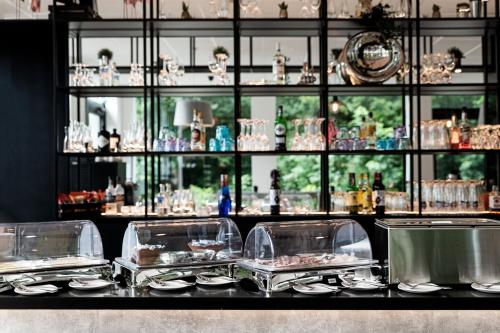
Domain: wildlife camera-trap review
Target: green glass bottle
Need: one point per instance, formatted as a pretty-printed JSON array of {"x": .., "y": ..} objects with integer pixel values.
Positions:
[
  {"x": 280, "y": 130},
  {"x": 352, "y": 195}
]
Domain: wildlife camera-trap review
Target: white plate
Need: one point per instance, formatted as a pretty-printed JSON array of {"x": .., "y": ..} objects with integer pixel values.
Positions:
[
  {"x": 494, "y": 289},
  {"x": 215, "y": 281},
  {"x": 90, "y": 284},
  {"x": 362, "y": 286},
  {"x": 316, "y": 289},
  {"x": 37, "y": 290},
  {"x": 170, "y": 285},
  {"x": 420, "y": 289}
]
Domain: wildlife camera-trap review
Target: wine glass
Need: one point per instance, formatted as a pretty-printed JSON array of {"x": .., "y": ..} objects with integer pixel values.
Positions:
[
  {"x": 244, "y": 7},
  {"x": 297, "y": 138},
  {"x": 304, "y": 10},
  {"x": 320, "y": 138}
]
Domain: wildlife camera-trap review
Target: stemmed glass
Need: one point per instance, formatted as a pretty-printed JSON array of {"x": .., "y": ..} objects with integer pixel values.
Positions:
[
  {"x": 242, "y": 136},
  {"x": 315, "y": 4},
  {"x": 320, "y": 138},
  {"x": 244, "y": 7},
  {"x": 304, "y": 10},
  {"x": 297, "y": 138}
]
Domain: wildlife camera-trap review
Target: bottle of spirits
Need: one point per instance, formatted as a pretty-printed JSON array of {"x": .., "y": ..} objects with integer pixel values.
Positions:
[
  {"x": 371, "y": 131},
  {"x": 160, "y": 201},
  {"x": 465, "y": 131},
  {"x": 224, "y": 196},
  {"x": 494, "y": 199},
  {"x": 378, "y": 194},
  {"x": 352, "y": 195},
  {"x": 197, "y": 132},
  {"x": 363, "y": 129},
  {"x": 103, "y": 141},
  {"x": 116, "y": 74},
  {"x": 332, "y": 198},
  {"x": 365, "y": 195},
  {"x": 114, "y": 141},
  {"x": 119, "y": 195},
  {"x": 109, "y": 194},
  {"x": 454, "y": 133},
  {"x": 279, "y": 61},
  {"x": 280, "y": 130},
  {"x": 275, "y": 193}
]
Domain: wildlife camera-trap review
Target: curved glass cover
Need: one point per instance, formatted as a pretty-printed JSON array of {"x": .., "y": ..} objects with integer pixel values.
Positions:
[
  {"x": 181, "y": 242},
  {"x": 46, "y": 245},
  {"x": 307, "y": 244}
]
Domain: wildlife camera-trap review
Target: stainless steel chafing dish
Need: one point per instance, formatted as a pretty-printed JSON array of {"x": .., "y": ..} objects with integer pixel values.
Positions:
[{"x": 447, "y": 251}]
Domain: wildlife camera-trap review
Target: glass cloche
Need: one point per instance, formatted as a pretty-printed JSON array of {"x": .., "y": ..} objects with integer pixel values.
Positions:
[
  {"x": 180, "y": 243},
  {"x": 282, "y": 246},
  {"x": 26, "y": 247}
]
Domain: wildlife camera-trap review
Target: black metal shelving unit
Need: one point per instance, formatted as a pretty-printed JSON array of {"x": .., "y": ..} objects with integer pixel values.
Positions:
[{"x": 416, "y": 31}]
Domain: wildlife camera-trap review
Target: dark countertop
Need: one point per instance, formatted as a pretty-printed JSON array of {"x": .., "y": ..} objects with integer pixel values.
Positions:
[{"x": 237, "y": 298}]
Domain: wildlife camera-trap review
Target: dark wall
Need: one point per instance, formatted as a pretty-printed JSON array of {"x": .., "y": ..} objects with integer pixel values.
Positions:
[{"x": 27, "y": 157}]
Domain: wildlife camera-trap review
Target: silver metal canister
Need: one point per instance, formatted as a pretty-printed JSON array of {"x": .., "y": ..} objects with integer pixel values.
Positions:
[{"x": 475, "y": 8}]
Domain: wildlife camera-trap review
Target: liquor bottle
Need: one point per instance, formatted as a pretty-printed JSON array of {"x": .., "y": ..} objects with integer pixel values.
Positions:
[
  {"x": 114, "y": 141},
  {"x": 363, "y": 129},
  {"x": 196, "y": 132},
  {"x": 332, "y": 198},
  {"x": 365, "y": 195},
  {"x": 280, "y": 130},
  {"x": 352, "y": 195},
  {"x": 119, "y": 195},
  {"x": 465, "y": 131},
  {"x": 275, "y": 193},
  {"x": 371, "y": 131},
  {"x": 116, "y": 74},
  {"x": 378, "y": 194},
  {"x": 224, "y": 196},
  {"x": 279, "y": 61},
  {"x": 103, "y": 141},
  {"x": 494, "y": 199},
  {"x": 160, "y": 201},
  {"x": 109, "y": 194},
  {"x": 454, "y": 133},
  {"x": 256, "y": 203}
]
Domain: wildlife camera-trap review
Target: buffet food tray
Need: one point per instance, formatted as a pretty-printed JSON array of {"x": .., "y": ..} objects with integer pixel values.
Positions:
[
  {"x": 25, "y": 266},
  {"x": 139, "y": 276},
  {"x": 254, "y": 266}
]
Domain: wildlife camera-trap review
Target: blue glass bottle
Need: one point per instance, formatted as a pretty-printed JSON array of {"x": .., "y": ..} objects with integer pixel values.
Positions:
[{"x": 224, "y": 197}]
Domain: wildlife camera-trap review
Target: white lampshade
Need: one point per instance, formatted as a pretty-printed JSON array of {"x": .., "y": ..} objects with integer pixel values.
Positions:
[{"x": 184, "y": 113}]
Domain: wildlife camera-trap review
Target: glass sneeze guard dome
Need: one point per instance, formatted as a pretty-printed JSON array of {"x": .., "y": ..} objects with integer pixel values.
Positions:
[
  {"x": 180, "y": 243},
  {"x": 35, "y": 246},
  {"x": 281, "y": 246}
]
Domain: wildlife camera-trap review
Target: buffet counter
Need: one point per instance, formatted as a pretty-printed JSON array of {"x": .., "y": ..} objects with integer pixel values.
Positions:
[{"x": 238, "y": 298}]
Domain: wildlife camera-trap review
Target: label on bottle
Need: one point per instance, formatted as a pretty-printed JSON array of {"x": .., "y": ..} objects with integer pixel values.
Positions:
[
  {"x": 113, "y": 143},
  {"x": 494, "y": 202},
  {"x": 279, "y": 130},
  {"x": 352, "y": 199},
  {"x": 378, "y": 198},
  {"x": 274, "y": 197},
  {"x": 455, "y": 137},
  {"x": 279, "y": 69},
  {"x": 102, "y": 141}
]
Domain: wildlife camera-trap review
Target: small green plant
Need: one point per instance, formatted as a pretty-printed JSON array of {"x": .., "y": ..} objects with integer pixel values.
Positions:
[
  {"x": 283, "y": 6},
  {"x": 185, "y": 11},
  {"x": 220, "y": 50},
  {"x": 435, "y": 8},
  {"x": 456, "y": 52},
  {"x": 105, "y": 53},
  {"x": 379, "y": 18}
]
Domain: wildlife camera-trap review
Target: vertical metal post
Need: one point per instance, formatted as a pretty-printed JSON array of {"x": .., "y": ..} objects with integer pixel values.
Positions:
[
  {"x": 323, "y": 82},
  {"x": 419, "y": 111},
  {"x": 237, "y": 104}
]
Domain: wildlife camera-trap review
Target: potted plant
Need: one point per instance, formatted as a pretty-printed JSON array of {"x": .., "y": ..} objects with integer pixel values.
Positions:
[
  {"x": 457, "y": 55},
  {"x": 105, "y": 53},
  {"x": 436, "y": 11},
  {"x": 220, "y": 53},
  {"x": 283, "y": 10},
  {"x": 185, "y": 12}
]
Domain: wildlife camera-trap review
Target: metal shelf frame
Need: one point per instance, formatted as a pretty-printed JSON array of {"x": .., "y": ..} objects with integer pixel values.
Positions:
[{"x": 150, "y": 28}]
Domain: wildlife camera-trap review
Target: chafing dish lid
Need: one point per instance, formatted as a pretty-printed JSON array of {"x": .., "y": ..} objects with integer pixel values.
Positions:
[{"x": 437, "y": 222}]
